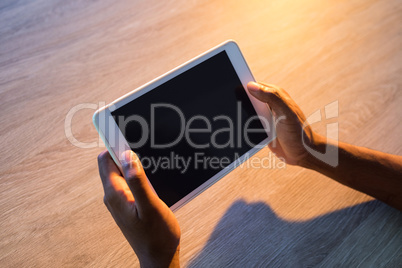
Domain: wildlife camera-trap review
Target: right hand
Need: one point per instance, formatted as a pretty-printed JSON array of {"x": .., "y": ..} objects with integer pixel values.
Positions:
[{"x": 289, "y": 120}]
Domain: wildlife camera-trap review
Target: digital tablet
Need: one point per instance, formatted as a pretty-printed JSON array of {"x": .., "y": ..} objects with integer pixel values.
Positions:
[{"x": 190, "y": 126}]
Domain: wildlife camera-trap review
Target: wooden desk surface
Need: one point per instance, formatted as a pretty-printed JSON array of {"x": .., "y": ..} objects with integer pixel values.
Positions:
[{"x": 55, "y": 55}]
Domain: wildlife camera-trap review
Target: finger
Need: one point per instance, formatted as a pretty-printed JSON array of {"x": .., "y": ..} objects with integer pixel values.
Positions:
[
  {"x": 107, "y": 169},
  {"x": 277, "y": 98},
  {"x": 275, "y": 86},
  {"x": 137, "y": 180},
  {"x": 114, "y": 184}
]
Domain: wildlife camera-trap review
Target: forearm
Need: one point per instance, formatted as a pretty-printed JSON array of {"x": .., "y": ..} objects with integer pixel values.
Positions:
[
  {"x": 156, "y": 261},
  {"x": 374, "y": 173}
]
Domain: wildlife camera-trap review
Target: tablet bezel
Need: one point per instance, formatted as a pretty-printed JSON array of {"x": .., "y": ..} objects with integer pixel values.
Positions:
[{"x": 116, "y": 143}]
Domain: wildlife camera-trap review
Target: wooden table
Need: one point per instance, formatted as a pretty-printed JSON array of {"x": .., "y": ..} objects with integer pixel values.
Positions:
[{"x": 64, "y": 58}]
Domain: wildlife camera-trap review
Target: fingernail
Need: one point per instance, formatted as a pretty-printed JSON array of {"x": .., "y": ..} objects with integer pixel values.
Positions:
[{"x": 253, "y": 86}]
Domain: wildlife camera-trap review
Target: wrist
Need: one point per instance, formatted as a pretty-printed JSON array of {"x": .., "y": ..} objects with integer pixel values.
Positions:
[
  {"x": 319, "y": 147},
  {"x": 161, "y": 260}
]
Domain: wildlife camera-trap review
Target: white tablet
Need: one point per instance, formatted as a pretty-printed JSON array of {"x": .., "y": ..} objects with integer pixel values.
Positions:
[{"x": 190, "y": 126}]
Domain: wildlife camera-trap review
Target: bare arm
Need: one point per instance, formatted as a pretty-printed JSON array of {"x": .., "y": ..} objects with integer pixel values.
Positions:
[{"x": 374, "y": 173}]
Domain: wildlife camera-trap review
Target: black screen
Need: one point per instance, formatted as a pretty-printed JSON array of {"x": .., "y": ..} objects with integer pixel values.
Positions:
[{"x": 199, "y": 117}]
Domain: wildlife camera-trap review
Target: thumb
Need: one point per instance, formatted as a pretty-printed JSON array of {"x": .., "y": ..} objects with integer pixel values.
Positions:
[
  {"x": 277, "y": 98},
  {"x": 136, "y": 179}
]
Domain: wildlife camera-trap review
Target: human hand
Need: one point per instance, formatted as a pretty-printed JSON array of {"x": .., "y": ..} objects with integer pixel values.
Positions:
[
  {"x": 145, "y": 220},
  {"x": 289, "y": 120}
]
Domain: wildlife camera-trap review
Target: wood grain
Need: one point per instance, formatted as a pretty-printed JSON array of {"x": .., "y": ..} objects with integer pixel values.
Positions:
[{"x": 55, "y": 55}]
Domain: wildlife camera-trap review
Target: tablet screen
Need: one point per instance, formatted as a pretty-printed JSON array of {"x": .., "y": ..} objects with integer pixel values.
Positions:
[{"x": 191, "y": 127}]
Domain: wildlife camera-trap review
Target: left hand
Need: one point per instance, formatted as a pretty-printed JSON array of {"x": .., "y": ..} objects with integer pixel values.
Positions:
[{"x": 145, "y": 220}]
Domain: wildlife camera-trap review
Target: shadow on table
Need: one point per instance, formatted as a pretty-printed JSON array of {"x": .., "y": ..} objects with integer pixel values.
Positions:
[{"x": 251, "y": 235}]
